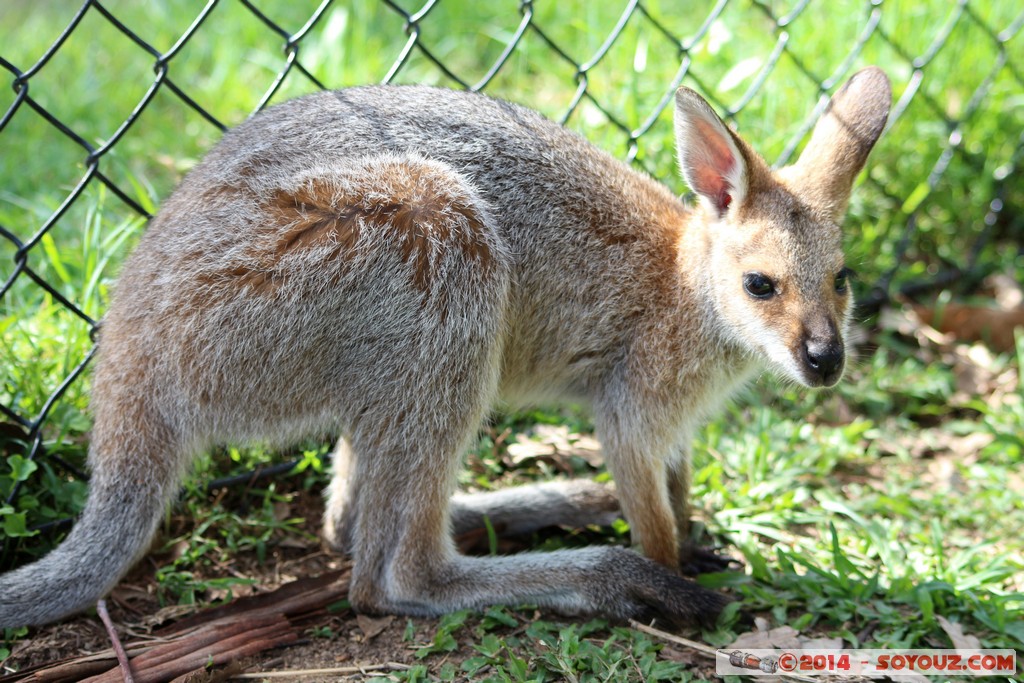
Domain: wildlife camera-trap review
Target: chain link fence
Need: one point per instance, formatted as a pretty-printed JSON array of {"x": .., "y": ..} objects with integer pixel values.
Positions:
[{"x": 105, "y": 114}]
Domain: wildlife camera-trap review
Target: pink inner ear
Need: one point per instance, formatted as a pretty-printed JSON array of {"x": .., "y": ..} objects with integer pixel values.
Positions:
[
  {"x": 712, "y": 184},
  {"x": 713, "y": 167},
  {"x": 719, "y": 152}
]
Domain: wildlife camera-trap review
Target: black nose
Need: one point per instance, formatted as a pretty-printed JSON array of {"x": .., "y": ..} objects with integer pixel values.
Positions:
[{"x": 824, "y": 361}]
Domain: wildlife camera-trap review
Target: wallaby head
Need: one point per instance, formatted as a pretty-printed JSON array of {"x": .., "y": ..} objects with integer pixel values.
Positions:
[{"x": 771, "y": 259}]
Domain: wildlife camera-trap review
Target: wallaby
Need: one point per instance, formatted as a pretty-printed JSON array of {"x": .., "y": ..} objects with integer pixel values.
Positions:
[{"x": 384, "y": 263}]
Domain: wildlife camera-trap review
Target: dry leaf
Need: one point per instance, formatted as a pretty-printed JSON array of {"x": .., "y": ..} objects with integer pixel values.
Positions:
[
  {"x": 980, "y": 375},
  {"x": 165, "y": 614},
  {"x": 1005, "y": 290},
  {"x": 967, "y": 447},
  {"x": 125, "y": 592},
  {"x": 282, "y": 510},
  {"x": 524, "y": 449},
  {"x": 955, "y": 631},
  {"x": 906, "y": 322},
  {"x": 688, "y": 657},
  {"x": 555, "y": 442},
  {"x": 371, "y": 627},
  {"x": 238, "y": 590},
  {"x": 965, "y": 323},
  {"x": 764, "y": 638},
  {"x": 821, "y": 643}
]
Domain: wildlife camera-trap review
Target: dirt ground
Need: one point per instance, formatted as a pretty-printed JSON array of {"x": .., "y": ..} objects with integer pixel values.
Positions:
[
  {"x": 339, "y": 640},
  {"x": 331, "y": 641}
]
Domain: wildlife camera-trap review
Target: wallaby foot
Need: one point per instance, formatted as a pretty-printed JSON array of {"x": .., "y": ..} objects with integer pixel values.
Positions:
[{"x": 612, "y": 582}]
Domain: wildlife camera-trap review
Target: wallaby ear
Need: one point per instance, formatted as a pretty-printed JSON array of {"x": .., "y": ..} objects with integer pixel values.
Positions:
[
  {"x": 841, "y": 142},
  {"x": 709, "y": 158}
]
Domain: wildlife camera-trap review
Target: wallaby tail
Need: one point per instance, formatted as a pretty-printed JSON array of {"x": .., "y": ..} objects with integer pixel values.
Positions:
[
  {"x": 524, "y": 509},
  {"x": 133, "y": 477}
]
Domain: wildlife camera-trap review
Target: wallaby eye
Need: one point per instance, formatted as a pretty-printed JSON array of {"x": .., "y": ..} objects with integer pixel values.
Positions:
[
  {"x": 843, "y": 280},
  {"x": 758, "y": 286}
]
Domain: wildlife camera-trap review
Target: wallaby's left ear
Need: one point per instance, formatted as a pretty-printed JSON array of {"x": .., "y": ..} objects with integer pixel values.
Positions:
[
  {"x": 841, "y": 142},
  {"x": 709, "y": 158}
]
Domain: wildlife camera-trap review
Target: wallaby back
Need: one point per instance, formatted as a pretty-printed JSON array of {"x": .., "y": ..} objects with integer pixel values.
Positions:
[{"x": 384, "y": 264}]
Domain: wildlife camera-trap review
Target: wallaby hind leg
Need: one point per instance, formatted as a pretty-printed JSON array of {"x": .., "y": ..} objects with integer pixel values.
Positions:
[{"x": 405, "y": 561}]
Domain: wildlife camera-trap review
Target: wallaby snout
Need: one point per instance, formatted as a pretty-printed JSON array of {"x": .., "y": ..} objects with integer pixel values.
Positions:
[{"x": 823, "y": 360}]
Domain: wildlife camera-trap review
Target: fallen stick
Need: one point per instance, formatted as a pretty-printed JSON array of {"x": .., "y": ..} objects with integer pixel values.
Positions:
[{"x": 122, "y": 658}]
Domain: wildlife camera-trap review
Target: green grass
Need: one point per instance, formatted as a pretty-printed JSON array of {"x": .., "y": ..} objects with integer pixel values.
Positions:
[
  {"x": 539, "y": 650},
  {"x": 855, "y": 512}
]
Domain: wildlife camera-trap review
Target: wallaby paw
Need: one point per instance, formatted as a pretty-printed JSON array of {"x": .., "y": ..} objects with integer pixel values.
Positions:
[
  {"x": 646, "y": 591},
  {"x": 679, "y": 603},
  {"x": 694, "y": 560}
]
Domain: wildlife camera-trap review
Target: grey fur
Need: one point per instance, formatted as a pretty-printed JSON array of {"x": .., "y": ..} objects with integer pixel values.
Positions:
[{"x": 384, "y": 264}]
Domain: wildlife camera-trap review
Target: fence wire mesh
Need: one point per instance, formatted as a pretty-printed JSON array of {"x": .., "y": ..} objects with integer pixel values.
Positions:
[{"x": 103, "y": 118}]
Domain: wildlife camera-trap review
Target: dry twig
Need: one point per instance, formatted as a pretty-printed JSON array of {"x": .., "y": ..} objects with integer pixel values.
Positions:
[{"x": 122, "y": 658}]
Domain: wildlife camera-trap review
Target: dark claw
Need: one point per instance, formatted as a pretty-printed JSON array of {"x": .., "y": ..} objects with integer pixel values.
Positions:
[
  {"x": 745, "y": 620},
  {"x": 694, "y": 560}
]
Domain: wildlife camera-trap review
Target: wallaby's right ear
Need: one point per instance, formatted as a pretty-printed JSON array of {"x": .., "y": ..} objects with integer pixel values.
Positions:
[{"x": 709, "y": 158}]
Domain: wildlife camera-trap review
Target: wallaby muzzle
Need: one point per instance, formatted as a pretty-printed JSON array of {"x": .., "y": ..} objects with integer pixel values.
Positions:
[
  {"x": 823, "y": 355},
  {"x": 823, "y": 360}
]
